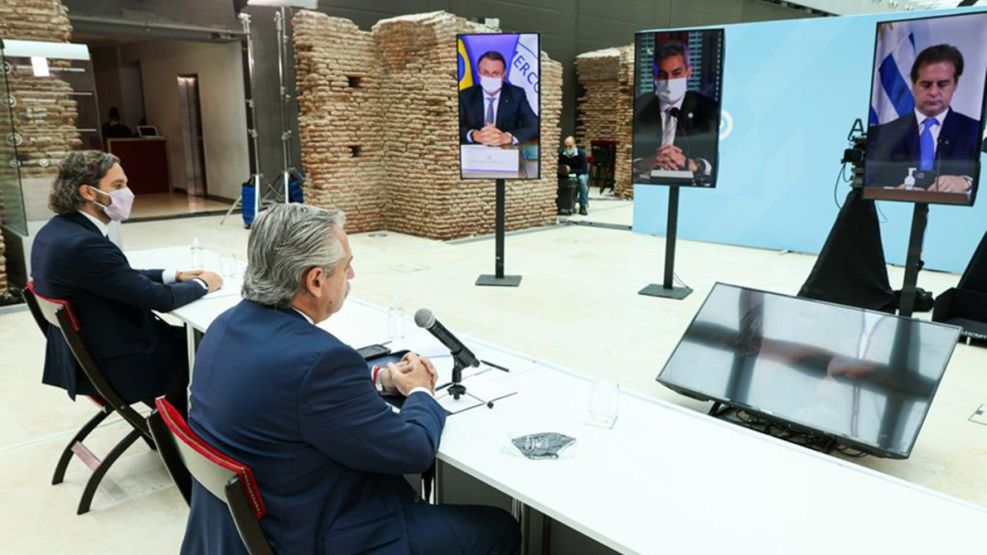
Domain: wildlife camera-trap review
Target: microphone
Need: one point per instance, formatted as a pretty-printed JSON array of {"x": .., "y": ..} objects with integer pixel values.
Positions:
[
  {"x": 461, "y": 355},
  {"x": 937, "y": 172}
]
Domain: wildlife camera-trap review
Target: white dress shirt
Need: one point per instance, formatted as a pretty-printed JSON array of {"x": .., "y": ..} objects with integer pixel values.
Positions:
[
  {"x": 167, "y": 276},
  {"x": 424, "y": 390}
]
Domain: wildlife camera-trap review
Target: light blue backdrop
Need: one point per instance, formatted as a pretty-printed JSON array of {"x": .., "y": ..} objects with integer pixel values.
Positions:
[{"x": 793, "y": 89}]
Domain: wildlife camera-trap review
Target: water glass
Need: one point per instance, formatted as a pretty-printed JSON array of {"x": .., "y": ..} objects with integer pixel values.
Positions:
[
  {"x": 604, "y": 403},
  {"x": 229, "y": 267}
]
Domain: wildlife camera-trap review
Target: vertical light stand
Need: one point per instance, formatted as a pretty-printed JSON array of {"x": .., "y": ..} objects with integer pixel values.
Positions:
[{"x": 280, "y": 20}]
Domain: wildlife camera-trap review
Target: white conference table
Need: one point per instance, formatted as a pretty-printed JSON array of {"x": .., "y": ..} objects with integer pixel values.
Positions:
[{"x": 665, "y": 479}]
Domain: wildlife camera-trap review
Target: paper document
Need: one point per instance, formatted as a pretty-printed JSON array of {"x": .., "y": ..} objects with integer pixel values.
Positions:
[
  {"x": 480, "y": 158},
  {"x": 229, "y": 288},
  {"x": 672, "y": 174},
  {"x": 481, "y": 388}
]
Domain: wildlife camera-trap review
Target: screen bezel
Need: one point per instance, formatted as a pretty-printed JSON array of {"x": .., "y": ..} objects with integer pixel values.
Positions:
[
  {"x": 878, "y": 193},
  {"x": 462, "y": 177},
  {"x": 637, "y": 73},
  {"x": 765, "y": 412}
]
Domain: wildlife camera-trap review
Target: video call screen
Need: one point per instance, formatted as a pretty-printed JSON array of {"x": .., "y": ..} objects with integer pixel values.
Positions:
[
  {"x": 499, "y": 105},
  {"x": 926, "y": 116},
  {"x": 678, "y": 91}
]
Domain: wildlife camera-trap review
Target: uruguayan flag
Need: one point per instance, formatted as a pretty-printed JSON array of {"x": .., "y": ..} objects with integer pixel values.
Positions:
[
  {"x": 525, "y": 68},
  {"x": 892, "y": 82}
]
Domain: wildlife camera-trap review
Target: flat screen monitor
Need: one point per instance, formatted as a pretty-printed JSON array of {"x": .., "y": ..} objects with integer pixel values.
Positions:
[
  {"x": 926, "y": 118},
  {"x": 678, "y": 92},
  {"x": 499, "y": 105},
  {"x": 147, "y": 131},
  {"x": 863, "y": 378}
]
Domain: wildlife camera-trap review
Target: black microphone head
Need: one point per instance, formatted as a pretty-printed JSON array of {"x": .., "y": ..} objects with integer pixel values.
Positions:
[
  {"x": 424, "y": 318},
  {"x": 674, "y": 112}
]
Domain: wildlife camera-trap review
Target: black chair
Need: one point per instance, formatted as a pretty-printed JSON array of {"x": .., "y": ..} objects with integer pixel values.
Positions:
[
  {"x": 56, "y": 312},
  {"x": 188, "y": 457}
]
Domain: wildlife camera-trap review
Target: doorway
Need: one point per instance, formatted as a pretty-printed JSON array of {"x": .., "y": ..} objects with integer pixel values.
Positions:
[{"x": 192, "y": 139}]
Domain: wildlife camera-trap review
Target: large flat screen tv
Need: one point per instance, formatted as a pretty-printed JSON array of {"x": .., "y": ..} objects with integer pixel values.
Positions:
[
  {"x": 678, "y": 91},
  {"x": 926, "y": 122},
  {"x": 862, "y": 378},
  {"x": 499, "y": 78}
]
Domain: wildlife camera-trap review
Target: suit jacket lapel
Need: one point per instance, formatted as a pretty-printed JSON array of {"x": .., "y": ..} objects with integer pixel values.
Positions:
[
  {"x": 946, "y": 134},
  {"x": 911, "y": 138},
  {"x": 503, "y": 106}
]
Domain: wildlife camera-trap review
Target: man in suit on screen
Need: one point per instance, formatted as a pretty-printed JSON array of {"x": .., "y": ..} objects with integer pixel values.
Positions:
[
  {"x": 933, "y": 140},
  {"x": 675, "y": 129},
  {"x": 495, "y": 113}
]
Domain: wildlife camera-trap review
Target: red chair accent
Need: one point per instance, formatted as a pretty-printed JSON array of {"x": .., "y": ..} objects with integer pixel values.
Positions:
[
  {"x": 58, "y": 313},
  {"x": 188, "y": 457}
]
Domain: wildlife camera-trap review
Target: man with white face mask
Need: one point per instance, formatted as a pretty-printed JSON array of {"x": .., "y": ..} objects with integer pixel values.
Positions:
[
  {"x": 675, "y": 129},
  {"x": 72, "y": 259},
  {"x": 495, "y": 113}
]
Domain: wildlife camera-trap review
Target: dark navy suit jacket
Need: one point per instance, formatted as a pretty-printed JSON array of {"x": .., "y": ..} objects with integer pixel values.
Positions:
[
  {"x": 696, "y": 133},
  {"x": 140, "y": 355},
  {"x": 297, "y": 406},
  {"x": 893, "y": 147},
  {"x": 514, "y": 115}
]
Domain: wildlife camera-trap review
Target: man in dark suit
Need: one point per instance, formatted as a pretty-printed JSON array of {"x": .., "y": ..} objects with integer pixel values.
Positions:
[
  {"x": 495, "y": 113},
  {"x": 933, "y": 139},
  {"x": 302, "y": 410},
  {"x": 72, "y": 259},
  {"x": 675, "y": 129}
]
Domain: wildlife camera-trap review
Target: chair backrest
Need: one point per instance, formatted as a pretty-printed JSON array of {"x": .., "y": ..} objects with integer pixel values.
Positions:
[
  {"x": 59, "y": 313},
  {"x": 32, "y": 304},
  {"x": 229, "y": 480}
]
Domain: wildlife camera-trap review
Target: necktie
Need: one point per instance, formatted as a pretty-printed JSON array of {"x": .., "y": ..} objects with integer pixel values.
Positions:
[
  {"x": 927, "y": 146},
  {"x": 489, "y": 118}
]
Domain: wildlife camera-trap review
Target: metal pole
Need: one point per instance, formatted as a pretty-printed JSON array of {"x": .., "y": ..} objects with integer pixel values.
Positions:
[
  {"x": 254, "y": 143},
  {"x": 280, "y": 19},
  {"x": 501, "y": 216},
  {"x": 913, "y": 263},
  {"x": 670, "y": 236}
]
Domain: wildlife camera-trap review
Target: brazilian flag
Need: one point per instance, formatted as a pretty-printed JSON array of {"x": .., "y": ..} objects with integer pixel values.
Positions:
[{"x": 465, "y": 69}]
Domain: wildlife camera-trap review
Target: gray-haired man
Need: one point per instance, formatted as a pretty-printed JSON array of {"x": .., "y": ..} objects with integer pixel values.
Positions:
[{"x": 301, "y": 409}]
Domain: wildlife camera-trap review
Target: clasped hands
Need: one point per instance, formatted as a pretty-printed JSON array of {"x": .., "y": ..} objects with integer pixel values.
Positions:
[
  {"x": 413, "y": 371},
  {"x": 489, "y": 135},
  {"x": 671, "y": 157}
]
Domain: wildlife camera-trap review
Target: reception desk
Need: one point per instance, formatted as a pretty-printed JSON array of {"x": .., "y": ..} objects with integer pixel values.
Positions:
[{"x": 146, "y": 162}]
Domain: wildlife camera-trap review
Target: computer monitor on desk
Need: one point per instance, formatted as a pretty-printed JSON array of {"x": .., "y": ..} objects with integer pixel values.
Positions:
[
  {"x": 147, "y": 131},
  {"x": 854, "y": 377}
]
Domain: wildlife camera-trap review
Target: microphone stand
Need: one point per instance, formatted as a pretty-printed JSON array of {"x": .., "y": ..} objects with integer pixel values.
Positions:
[{"x": 457, "y": 389}]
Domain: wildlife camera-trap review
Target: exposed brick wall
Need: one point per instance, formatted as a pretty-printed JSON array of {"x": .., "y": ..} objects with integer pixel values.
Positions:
[
  {"x": 605, "y": 109},
  {"x": 404, "y": 117},
  {"x": 48, "y": 130}
]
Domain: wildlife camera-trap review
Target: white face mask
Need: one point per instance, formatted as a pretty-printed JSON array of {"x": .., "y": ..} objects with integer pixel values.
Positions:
[
  {"x": 491, "y": 85},
  {"x": 121, "y": 201},
  {"x": 570, "y": 152},
  {"x": 670, "y": 91}
]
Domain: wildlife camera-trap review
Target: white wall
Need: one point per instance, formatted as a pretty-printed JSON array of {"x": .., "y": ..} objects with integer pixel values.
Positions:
[{"x": 221, "y": 97}]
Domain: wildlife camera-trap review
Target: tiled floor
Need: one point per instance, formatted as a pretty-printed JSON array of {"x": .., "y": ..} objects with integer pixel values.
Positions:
[
  {"x": 577, "y": 305},
  {"x": 160, "y": 205}
]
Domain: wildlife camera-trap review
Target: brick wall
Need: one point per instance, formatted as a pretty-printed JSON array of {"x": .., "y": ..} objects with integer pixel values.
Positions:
[
  {"x": 605, "y": 109},
  {"x": 403, "y": 118},
  {"x": 48, "y": 135}
]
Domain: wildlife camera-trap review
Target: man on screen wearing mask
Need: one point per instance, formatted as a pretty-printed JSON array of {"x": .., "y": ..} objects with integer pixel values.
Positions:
[
  {"x": 675, "y": 129},
  {"x": 72, "y": 259},
  {"x": 495, "y": 113}
]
